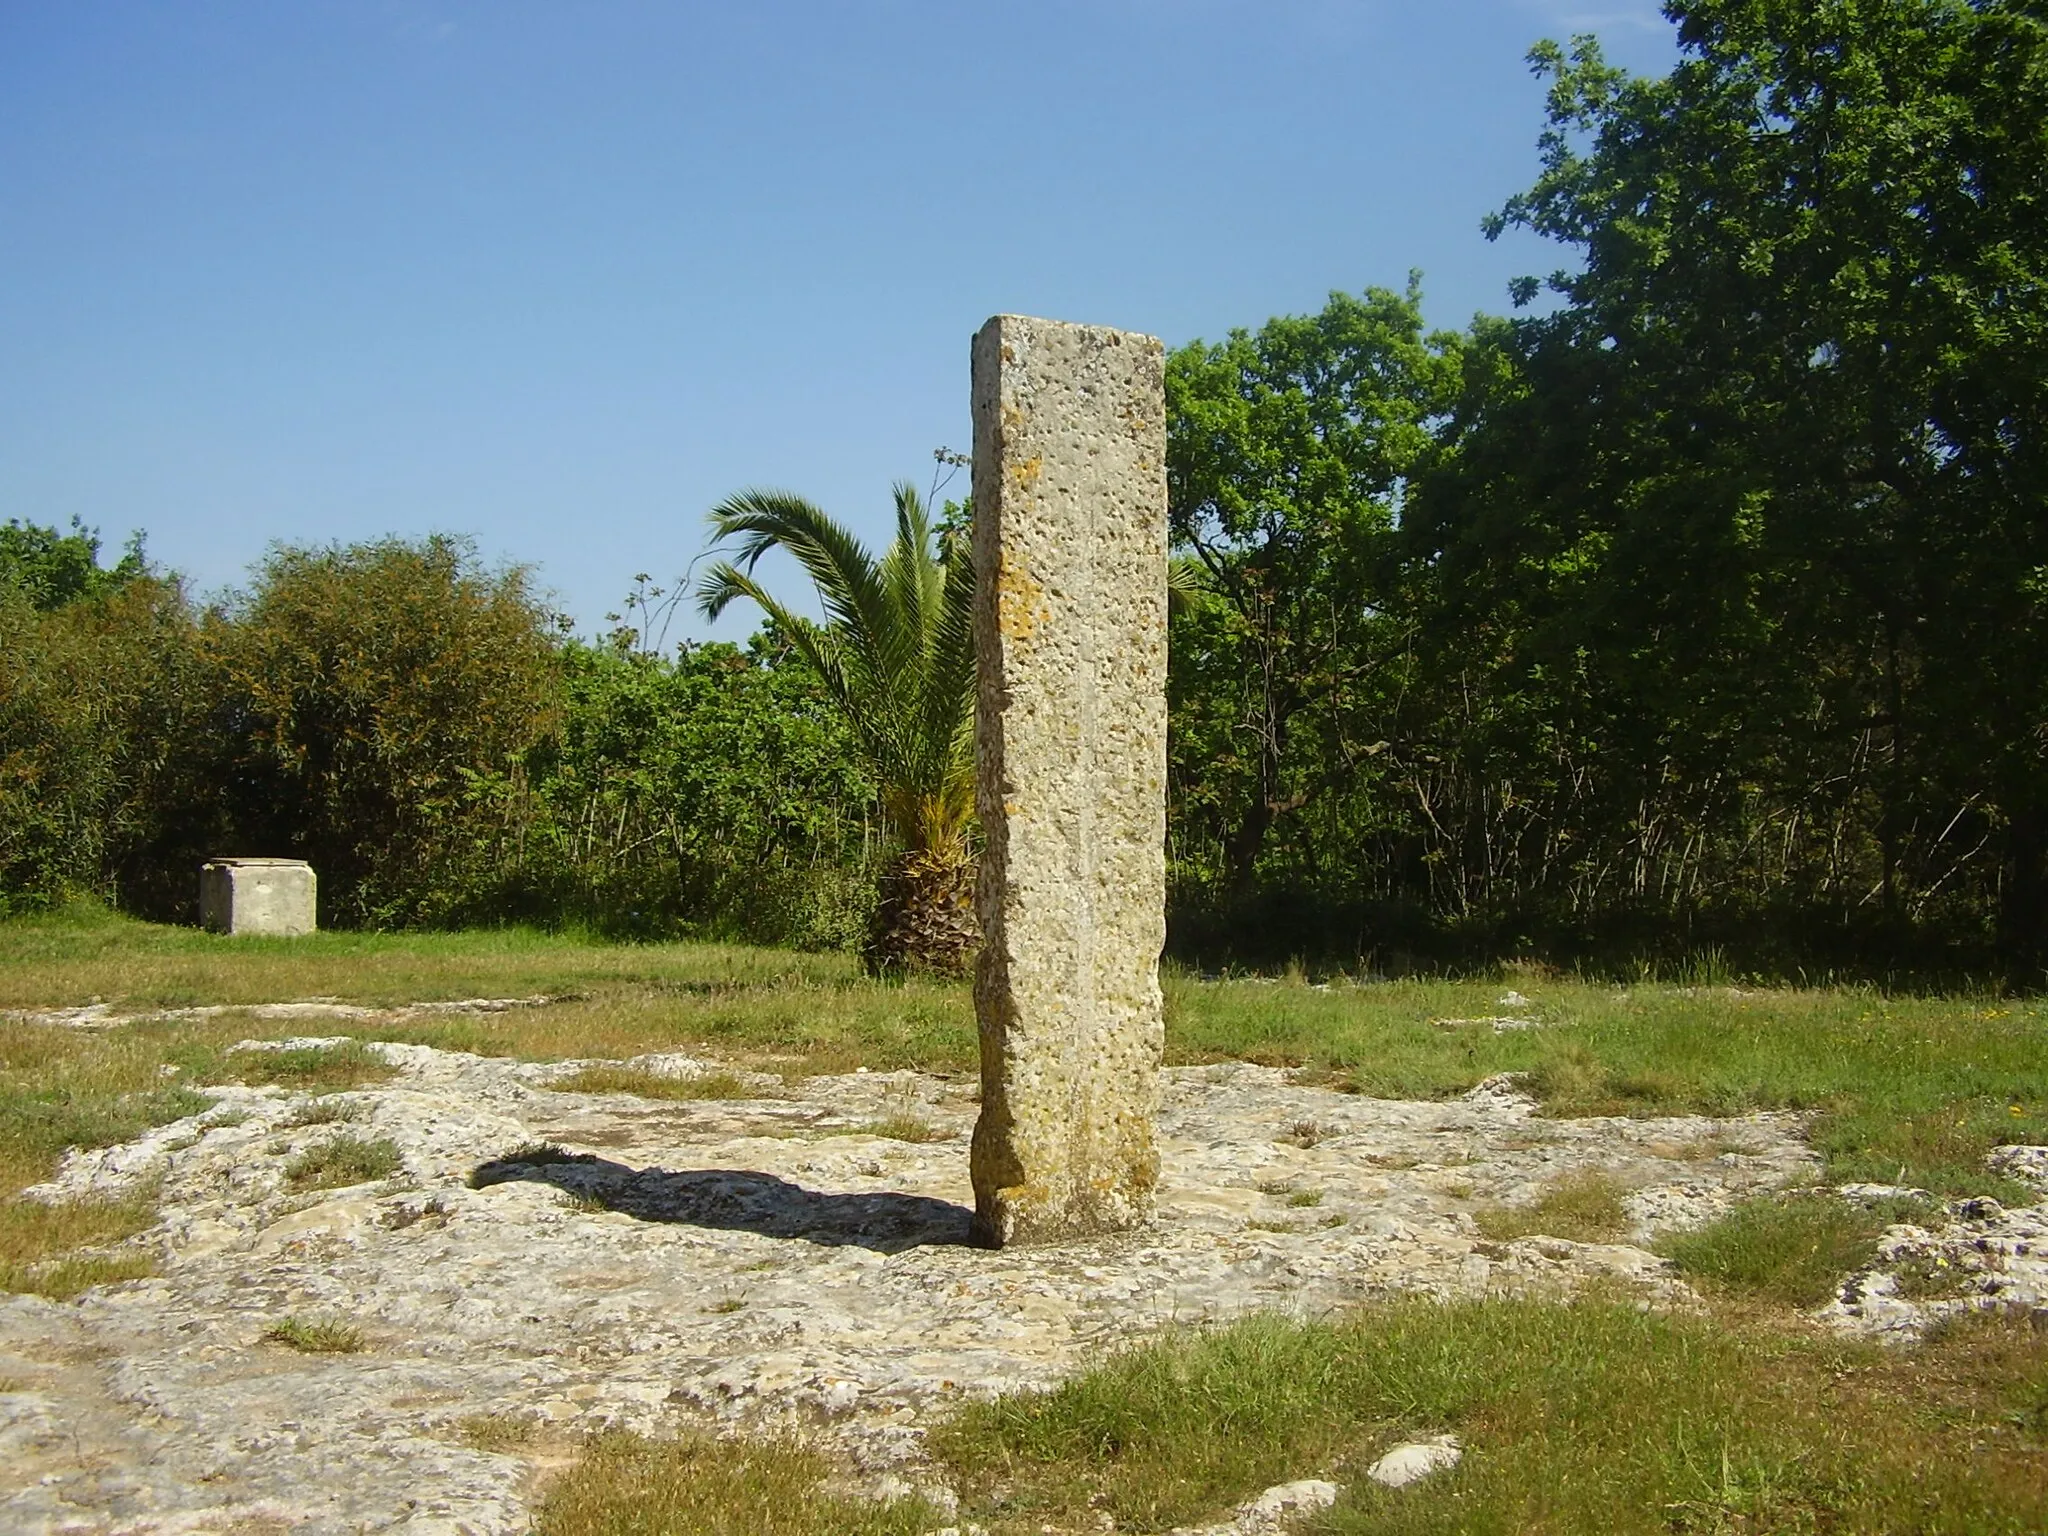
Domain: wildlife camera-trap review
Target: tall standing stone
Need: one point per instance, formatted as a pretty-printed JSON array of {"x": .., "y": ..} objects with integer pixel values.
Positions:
[{"x": 1070, "y": 634}]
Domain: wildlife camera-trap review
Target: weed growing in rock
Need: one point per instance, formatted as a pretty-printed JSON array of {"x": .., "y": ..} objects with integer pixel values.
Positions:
[
  {"x": 900, "y": 1127},
  {"x": 324, "y": 1112},
  {"x": 315, "y": 1336},
  {"x": 628, "y": 1486},
  {"x": 1933, "y": 1277},
  {"x": 654, "y": 1085},
  {"x": 1791, "y": 1248},
  {"x": 320, "y": 1068},
  {"x": 495, "y": 1431},
  {"x": 1580, "y": 1208},
  {"x": 1305, "y": 1199},
  {"x": 341, "y": 1162}
]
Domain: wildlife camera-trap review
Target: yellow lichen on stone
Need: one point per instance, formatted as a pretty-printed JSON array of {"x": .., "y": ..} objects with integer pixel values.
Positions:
[{"x": 1070, "y": 635}]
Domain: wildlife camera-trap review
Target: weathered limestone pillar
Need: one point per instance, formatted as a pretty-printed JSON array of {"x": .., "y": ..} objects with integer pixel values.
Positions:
[
  {"x": 1070, "y": 634},
  {"x": 268, "y": 897}
]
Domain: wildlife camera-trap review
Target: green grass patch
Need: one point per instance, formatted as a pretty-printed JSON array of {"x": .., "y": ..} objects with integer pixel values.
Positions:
[
  {"x": 1581, "y": 1207},
  {"x": 1913, "y": 1090},
  {"x": 653, "y": 1085},
  {"x": 1791, "y": 1249},
  {"x": 1590, "y": 1417},
  {"x": 315, "y": 1068},
  {"x": 316, "y": 1336},
  {"x": 625, "y": 1485},
  {"x": 342, "y": 1161}
]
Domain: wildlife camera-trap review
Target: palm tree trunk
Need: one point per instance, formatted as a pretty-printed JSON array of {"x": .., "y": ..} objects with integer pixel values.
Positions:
[{"x": 926, "y": 919}]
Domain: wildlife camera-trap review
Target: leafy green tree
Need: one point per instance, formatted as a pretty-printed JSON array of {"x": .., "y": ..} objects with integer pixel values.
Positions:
[
  {"x": 53, "y": 568},
  {"x": 98, "y": 696},
  {"x": 895, "y": 656},
  {"x": 1755, "y": 514},
  {"x": 1289, "y": 456},
  {"x": 713, "y": 792},
  {"x": 362, "y": 693}
]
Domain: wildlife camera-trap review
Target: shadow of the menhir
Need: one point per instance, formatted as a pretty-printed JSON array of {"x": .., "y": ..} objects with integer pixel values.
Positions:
[{"x": 737, "y": 1200}]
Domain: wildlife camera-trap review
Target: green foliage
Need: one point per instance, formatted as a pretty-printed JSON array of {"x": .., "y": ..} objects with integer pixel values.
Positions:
[
  {"x": 1288, "y": 460},
  {"x": 92, "y": 695},
  {"x": 896, "y": 658},
  {"x": 362, "y": 694},
  {"x": 1731, "y": 555},
  {"x": 53, "y": 569},
  {"x": 715, "y": 792},
  {"x": 1586, "y": 1417},
  {"x": 1791, "y": 1249}
]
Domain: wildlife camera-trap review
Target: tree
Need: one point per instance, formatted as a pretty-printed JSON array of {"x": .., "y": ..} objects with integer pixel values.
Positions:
[
  {"x": 1288, "y": 459},
  {"x": 1764, "y": 496},
  {"x": 53, "y": 569},
  {"x": 896, "y": 656},
  {"x": 363, "y": 691}
]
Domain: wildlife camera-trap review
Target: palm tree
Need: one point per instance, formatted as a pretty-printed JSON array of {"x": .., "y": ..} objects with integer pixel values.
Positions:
[{"x": 896, "y": 654}]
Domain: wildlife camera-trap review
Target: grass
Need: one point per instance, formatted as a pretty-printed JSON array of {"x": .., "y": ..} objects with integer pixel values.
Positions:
[
  {"x": 1791, "y": 1249},
  {"x": 625, "y": 1485},
  {"x": 316, "y": 1068},
  {"x": 1581, "y": 1208},
  {"x": 1912, "y": 1090},
  {"x": 1589, "y": 1417},
  {"x": 653, "y": 1085},
  {"x": 342, "y": 1161},
  {"x": 901, "y": 1127},
  {"x": 323, "y": 1112},
  {"x": 499, "y": 1432},
  {"x": 316, "y": 1336}
]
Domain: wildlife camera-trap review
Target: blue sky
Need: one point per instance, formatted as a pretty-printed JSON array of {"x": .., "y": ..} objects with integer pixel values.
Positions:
[{"x": 561, "y": 275}]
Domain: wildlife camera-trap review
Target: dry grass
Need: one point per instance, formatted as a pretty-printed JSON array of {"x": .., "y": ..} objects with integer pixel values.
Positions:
[
  {"x": 498, "y": 1432},
  {"x": 1580, "y": 1208},
  {"x": 901, "y": 1127},
  {"x": 653, "y": 1085},
  {"x": 315, "y": 1068},
  {"x": 628, "y": 1486}
]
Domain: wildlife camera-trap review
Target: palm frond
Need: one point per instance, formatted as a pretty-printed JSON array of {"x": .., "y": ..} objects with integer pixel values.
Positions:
[{"x": 896, "y": 652}]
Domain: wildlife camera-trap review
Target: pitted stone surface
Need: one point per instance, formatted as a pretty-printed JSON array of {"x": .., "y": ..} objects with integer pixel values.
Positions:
[
  {"x": 1070, "y": 637},
  {"x": 743, "y": 1264}
]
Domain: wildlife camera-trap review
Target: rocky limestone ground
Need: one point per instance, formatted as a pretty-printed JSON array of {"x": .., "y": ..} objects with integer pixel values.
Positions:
[{"x": 760, "y": 1262}]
